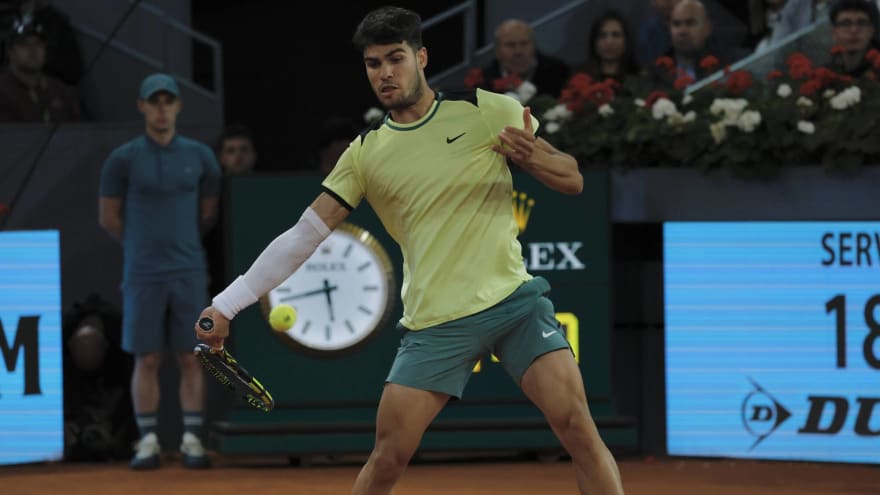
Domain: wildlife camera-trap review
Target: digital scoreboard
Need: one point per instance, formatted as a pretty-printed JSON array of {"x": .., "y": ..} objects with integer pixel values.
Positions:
[
  {"x": 31, "y": 385},
  {"x": 772, "y": 346}
]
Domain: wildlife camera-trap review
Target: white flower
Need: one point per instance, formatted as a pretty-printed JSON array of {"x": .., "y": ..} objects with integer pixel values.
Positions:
[
  {"x": 526, "y": 91},
  {"x": 687, "y": 99},
  {"x": 806, "y": 127},
  {"x": 729, "y": 109},
  {"x": 605, "y": 110},
  {"x": 559, "y": 112},
  {"x": 552, "y": 127},
  {"x": 689, "y": 117},
  {"x": 846, "y": 98},
  {"x": 784, "y": 90},
  {"x": 675, "y": 119},
  {"x": 749, "y": 120},
  {"x": 728, "y": 106},
  {"x": 372, "y": 114},
  {"x": 663, "y": 108},
  {"x": 639, "y": 102},
  {"x": 719, "y": 132},
  {"x": 828, "y": 93},
  {"x": 803, "y": 101}
]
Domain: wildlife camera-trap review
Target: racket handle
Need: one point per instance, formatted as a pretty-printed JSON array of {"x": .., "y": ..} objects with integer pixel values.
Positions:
[{"x": 206, "y": 324}]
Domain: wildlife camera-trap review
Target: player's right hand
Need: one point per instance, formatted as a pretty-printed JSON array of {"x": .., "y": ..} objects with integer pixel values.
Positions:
[{"x": 215, "y": 333}]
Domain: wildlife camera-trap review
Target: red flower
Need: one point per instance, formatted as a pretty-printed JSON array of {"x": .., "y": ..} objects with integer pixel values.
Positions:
[
  {"x": 709, "y": 63},
  {"x": 507, "y": 83},
  {"x": 683, "y": 81},
  {"x": 872, "y": 55},
  {"x": 580, "y": 82},
  {"x": 810, "y": 87},
  {"x": 798, "y": 58},
  {"x": 837, "y": 49},
  {"x": 474, "y": 78},
  {"x": 800, "y": 71},
  {"x": 599, "y": 94},
  {"x": 576, "y": 106},
  {"x": 774, "y": 74},
  {"x": 824, "y": 76},
  {"x": 739, "y": 81},
  {"x": 665, "y": 62},
  {"x": 653, "y": 96}
]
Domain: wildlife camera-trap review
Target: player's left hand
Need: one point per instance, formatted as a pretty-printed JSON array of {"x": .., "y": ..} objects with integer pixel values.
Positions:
[{"x": 518, "y": 144}]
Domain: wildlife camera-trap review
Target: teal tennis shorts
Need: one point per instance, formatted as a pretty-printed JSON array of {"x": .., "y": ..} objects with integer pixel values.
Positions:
[
  {"x": 156, "y": 315},
  {"x": 517, "y": 330}
]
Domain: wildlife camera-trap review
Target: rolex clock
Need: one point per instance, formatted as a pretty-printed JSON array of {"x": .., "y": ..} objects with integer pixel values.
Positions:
[{"x": 342, "y": 294}]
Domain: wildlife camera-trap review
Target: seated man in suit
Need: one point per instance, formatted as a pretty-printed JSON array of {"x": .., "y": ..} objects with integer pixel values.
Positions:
[
  {"x": 690, "y": 30},
  {"x": 516, "y": 54}
]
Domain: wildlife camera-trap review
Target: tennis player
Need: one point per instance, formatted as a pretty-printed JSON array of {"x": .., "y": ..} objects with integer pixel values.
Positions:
[{"x": 435, "y": 171}]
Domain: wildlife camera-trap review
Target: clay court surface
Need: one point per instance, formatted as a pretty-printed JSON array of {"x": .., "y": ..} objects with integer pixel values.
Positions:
[{"x": 479, "y": 477}]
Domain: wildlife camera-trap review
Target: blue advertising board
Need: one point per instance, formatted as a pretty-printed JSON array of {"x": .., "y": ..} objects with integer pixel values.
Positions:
[
  {"x": 31, "y": 382},
  {"x": 773, "y": 340}
]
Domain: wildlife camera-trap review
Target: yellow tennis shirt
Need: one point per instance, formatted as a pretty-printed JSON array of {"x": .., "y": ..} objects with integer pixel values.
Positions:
[{"x": 445, "y": 198}]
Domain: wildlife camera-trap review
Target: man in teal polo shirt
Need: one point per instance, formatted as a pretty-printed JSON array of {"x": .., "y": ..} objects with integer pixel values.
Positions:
[{"x": 158, "y": 195}]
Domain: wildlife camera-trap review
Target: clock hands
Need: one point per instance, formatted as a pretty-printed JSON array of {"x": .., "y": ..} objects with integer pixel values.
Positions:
[{"x": 325, "y": 290}]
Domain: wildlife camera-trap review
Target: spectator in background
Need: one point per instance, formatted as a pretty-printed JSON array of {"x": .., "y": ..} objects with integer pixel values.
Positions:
[
  {"x": 237, "y": 155},
  {"x": 236, "y": 151},
  {"x": 764, "y": 16},
  {"x": 653, "y": 38},
  {"x": 98, "y": 418},
  {"x": 516, "y": 55},
  {"x": 854, "y": 29},
  {"x": 63, "y": 54},
  {"x": 798, "y": 14},
  {"x": 611, "y": 54},
  {"x": 27, "y": 93},
  {"x": 158, "y": 196},
  {"x": 689, "y": 28},
  {"x": 337, "y": 131}
]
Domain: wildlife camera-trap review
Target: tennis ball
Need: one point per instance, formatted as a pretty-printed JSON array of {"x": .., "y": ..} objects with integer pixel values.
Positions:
[{"x": 282, "y": 317}]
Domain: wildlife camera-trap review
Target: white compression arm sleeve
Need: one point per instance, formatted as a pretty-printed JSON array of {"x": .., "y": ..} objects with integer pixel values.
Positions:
[{"x": 281, "y": 258}]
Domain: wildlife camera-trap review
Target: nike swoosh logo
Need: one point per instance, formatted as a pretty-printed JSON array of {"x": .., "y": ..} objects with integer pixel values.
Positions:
[
  {"x": 452, "y": 140},
  {"x": 547, "y": 334}
]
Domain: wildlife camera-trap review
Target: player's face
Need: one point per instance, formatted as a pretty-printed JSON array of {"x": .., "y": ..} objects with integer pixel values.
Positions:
[
  {"x": 396, "y": 74},
  {"x": 160, "y": 111}
]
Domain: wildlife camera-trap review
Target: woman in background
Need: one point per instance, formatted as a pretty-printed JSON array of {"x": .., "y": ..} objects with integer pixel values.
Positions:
[{"x": 611, "y": 54}]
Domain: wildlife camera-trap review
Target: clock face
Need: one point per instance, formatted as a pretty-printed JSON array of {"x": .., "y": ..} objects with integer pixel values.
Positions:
[{"x": 342, "y": 294}]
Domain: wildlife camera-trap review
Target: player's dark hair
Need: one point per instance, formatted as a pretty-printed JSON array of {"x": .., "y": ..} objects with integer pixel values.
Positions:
[{"x": 387, "y": 26}]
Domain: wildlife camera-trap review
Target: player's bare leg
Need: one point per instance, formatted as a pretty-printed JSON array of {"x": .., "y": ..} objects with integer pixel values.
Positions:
[
  {"x": 554, "y": 384},
  {"x": 404, "y": 415},
  {"x": 145, "y": 383}
]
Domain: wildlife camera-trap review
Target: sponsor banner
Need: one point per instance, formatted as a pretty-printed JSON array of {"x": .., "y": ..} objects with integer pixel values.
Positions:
[
  {"x": 31, "y": 401},
  {"x": 773, "y": 340}
]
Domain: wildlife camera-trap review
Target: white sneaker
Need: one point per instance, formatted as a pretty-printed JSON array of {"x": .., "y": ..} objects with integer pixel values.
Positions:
[
  {"x": 194, "y": 455},
  {"x": 146, "y": 454}
]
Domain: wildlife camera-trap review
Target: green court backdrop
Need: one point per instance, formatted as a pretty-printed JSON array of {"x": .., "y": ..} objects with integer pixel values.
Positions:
[{"x": 327, "y": 404}]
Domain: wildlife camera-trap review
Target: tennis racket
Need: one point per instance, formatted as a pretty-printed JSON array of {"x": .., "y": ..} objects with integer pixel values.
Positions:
[{"x": 222, "y": 366}]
